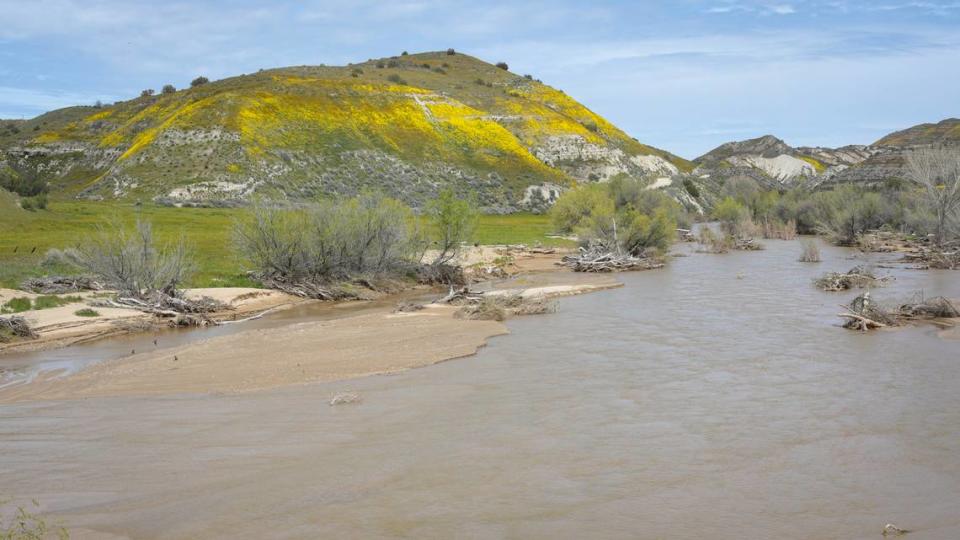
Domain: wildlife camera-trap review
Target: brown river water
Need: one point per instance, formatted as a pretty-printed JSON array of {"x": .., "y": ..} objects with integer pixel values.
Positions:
[{"x": 717, "y": 398}]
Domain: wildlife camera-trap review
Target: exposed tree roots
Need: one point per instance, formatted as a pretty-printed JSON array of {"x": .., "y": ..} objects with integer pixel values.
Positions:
[{"x": 15, "y": 327}]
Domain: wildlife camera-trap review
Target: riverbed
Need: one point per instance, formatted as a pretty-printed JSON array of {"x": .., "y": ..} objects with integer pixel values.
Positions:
[{"x": 716, "y": 398}]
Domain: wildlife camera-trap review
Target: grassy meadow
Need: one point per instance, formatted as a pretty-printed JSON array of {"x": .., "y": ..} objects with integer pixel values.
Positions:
[{"x": 26, "y": 236}]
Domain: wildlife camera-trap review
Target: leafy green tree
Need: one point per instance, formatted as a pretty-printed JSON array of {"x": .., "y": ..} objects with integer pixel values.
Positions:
[{"x": 454, "y": 222}]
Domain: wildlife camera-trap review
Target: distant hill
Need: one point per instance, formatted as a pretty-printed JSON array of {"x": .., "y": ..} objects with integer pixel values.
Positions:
[
  {"x": 944, "y": 132},
  {"x": 408, "y": 125},
  {"x": 773, "y": 164}
]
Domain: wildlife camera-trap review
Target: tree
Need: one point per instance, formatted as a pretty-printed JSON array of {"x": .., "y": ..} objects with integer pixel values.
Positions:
[
  {"x": 451, "y": 52},
  {"x": 454, "y": 221},
  {"x": 937, "y": 172},
  {"x": 198, "y": 81},
  {"x": 147, "y": 93},
  {"x": 503, "y": 66},
  {"x": 168, "y": 89}
]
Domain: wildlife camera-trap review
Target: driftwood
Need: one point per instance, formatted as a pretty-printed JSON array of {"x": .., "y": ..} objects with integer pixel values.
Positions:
[
  {"x": 858, "y": 277},
  {"x": 16, "y": 326},
  {"x": 179, "y": 311},
  {"x": 865, "y": 314},
  {"x": 597, "y": 259},
  {"x": 61, "y": 284}
]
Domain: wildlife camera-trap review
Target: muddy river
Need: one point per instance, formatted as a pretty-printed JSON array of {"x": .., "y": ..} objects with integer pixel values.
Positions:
[{"x": 717, "y": 398}]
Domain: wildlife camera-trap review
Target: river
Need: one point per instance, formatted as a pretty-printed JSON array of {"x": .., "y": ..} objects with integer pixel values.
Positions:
[{"x": 717, "y": 398}]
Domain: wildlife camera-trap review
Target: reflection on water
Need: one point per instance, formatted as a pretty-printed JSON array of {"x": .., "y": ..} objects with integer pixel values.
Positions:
[{"x": 715, "y": 399}]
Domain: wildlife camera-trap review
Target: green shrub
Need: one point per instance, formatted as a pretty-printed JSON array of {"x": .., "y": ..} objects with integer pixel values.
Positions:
[
  {"x": 16, "y": 305},
  {"x": 730, "y": 214},
  {"x": 396, "y": 79},
  {"x": 199, "y": 81},
  {"x": 451, "y": 52},
  {"x": 691, "y": 188},
  {"x": 51, "y": 301},
  {"x": 168, "y": 89},
  {"x": 86, "y": 312},
  {"x": 503, "y": 66}
]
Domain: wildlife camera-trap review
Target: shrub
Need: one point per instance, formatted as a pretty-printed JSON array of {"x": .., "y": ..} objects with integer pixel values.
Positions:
[
  {"x": 16, "y": 305},
  {"x": 454, "y": 221},
  {"x": 575, "y": 206},
  {"x": 479, "y": 81},
  {"x": 168, "y": 89},
  {"x": 198, "y": 81},
  {"x": 503, "y": 66},
  {"x": 37, "y": 202},
  {"x": 404, "y": 53},
  {"x": 425, "y": 65},
  {"x": 810, "y": 251},
  {"x": 591, "y": 125},
  {"x": 393, "y": 64},
  {"x": 440, "y": 70},
  {"x": 691, "y": 188},
  {"x": 331, "y": 241},
  {"x": 395, "y": 78},
  {"x": 131, "y": 262},
  {"x": 86, "y": 312},
  {"x": 146, "y": 93},
  {"x": 51, "y": 301},
  {"x": 451, "y": 52},
  {"x": 380, "y": 65},
  {"x": 731, "y": 214},
  {"x": 528, "y": 77}
]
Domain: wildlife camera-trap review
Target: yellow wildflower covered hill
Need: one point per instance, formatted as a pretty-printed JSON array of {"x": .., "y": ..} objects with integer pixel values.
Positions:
[{"x": 407, "y": 125}]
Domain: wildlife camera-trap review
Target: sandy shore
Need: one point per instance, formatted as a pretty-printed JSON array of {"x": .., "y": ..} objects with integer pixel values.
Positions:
[
  {"x": 61, "y": 327},
  {"x": 300, "y": 353}
]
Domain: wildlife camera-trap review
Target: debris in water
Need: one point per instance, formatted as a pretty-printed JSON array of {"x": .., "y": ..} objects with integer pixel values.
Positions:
[
  {"x": 892, "y": 530},
  {"x": 345, "y": 398}
]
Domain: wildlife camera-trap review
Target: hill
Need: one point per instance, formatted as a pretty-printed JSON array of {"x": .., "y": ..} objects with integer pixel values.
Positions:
[
  {"x": 943, "y": 132},
  {"x": 408, "y": 125},
  {"x": 772, "y": 163}
]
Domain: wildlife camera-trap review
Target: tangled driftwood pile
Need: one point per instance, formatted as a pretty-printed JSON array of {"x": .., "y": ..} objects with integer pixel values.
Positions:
[
  {"x": 15, "y": 327},
  {"x": 177, "y": 310},
  {"x": 858, "y": 277},
  {"x": 61, "y": 284},
  {"x": 866, "y": 314},
  {"x": 598, "y": 259},
  {"x": 494, "y": 306},
  {"x": 944, "y": 258}
]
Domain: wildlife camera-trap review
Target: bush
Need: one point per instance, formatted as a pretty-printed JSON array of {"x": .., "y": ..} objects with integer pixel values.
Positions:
[
  {"x": 404, "y": 53},
  {"x": 86, "y": 312},
  {"x": 380, "y": 65},
  {"x": 810, "y": 251},
  {"x": 131, "y": 262},
  {"x": 37, "y": 202},
  {"x": 168, "y": 89},
  {"x": 451, "y": 52},
  {"x": 440, "y": 70},
  {"x": 575, "y": 206},
  {"x": 503, "y": 66},
  {"x": 691, "y": 188},
  {"x": 332, "y": 241},
  {"x": 478, "y": 81},
  {"x": 16, "y": 305},
  {"x": 51, "y": 301},
  {"x": 396, "y": 79},
  {"x": 393, "y": 64},
  {"x": 731, "y": 214},
  {"x": 146, "y": 93},
  {"x": 198, "y": 81},
  {"x": 454, "y": 221}
]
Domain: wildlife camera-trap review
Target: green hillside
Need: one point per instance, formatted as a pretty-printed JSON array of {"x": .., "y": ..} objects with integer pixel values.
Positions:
[
  {"x": 408, "y": 125},
  {"x": 943, "y": 132}
]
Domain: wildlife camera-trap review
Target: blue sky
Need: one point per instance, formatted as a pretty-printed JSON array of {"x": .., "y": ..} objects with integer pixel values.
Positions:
[{"x": 682, "y": 75}]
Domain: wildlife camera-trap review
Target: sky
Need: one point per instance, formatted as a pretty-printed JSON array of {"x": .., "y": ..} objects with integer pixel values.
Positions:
[{"x": 682, "y": 75}]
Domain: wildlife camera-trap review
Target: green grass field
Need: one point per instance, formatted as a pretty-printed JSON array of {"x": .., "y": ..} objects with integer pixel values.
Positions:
[{"x": 26, "y": 236}]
